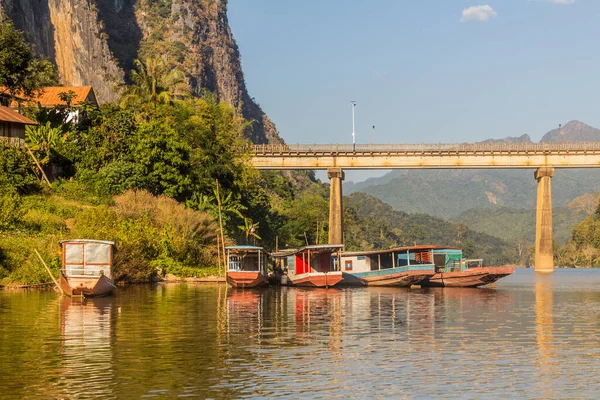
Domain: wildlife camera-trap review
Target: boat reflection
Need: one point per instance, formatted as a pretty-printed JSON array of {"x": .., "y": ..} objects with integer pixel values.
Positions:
[{"x": 87, "y": 356}]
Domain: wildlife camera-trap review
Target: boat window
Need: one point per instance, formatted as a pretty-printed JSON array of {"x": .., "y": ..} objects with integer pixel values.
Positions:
[
  {"x": 235, "y": 263},
  {"x": 74, "y": 253},
  {"x": 97, "y": 253},
  {"x": 87, "y": 259},
  {"x": 402, "y": 260}
]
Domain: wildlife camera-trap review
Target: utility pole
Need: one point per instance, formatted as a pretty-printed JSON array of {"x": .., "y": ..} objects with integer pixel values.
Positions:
[
  {"x": 373, "y": 135},
  {"x": 353, "y": 130}
]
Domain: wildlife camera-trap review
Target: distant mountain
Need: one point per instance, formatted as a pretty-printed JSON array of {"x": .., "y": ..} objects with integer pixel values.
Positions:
[
  {"x": 520, "y": 139},
  {"x": 450, "y": 193},
  {"x": 408, "y": 229},
  {"x": 515, "y": 226},
  {"x": 574, "y": 131}
]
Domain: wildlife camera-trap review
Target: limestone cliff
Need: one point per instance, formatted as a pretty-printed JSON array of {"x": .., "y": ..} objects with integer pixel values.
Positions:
[{"x": 94, "y": 42}]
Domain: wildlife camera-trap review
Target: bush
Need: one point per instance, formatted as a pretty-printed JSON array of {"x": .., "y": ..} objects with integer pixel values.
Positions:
[
  {"x": 152, "y": 233},
  {"x": 16, "y": 171},
  {"x": 20, "y": 265},
  {"x": 10, "y": 211}
]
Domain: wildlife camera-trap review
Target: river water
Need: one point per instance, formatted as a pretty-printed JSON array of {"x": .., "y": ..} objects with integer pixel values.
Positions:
[{"x": 528, "y": 337}]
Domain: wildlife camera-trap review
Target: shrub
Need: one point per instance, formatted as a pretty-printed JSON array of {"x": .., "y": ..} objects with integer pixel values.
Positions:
[
  {"x": 16, "y": 171},
  {"x": 10, "y": 210}
]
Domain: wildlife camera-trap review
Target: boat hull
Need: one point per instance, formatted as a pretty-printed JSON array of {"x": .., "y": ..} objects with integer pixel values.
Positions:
[
  {"x": 394, "y": 277},
  {"x": 473, "y": 277},
  {"x": 246, "y": 279},
  {"x": 86, "y": 286},
  {"x": 317, "y": 279}
]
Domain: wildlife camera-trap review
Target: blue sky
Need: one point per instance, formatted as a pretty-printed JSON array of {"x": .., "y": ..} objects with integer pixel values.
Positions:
[{"x": 420, "y": 71}]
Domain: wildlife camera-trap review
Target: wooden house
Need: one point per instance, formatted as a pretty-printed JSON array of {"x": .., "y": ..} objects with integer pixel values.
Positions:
[
  {"x": 12, "y": 126},
  {"x": 49, "y": 97}
]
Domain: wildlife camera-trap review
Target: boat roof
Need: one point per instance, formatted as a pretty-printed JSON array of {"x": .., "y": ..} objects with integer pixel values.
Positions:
[
  {"x": 245, "y": 247},
  {"x": 87, "y": 241},
  {"x": 316, "y": 248},
  {"x": 398, "y": 249}
]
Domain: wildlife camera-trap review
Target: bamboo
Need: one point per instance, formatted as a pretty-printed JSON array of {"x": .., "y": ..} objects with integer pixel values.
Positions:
[
  {"x": 38, "y": 165},
  {"x": 221, "y": 226},
  {"x": 49, "y": 272}
]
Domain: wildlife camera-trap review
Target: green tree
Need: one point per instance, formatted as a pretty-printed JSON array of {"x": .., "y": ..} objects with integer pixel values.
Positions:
[
  {"x": 16, "y": 172},
  {"x": 164, "y": 160},
  {"x": 154, "y": 81},
  {"x": 20, "y": 73},
  {"x": 44, "y": 140}
]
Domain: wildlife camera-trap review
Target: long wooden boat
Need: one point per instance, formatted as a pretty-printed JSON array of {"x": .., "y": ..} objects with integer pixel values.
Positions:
[
  {"x": 399, "y": 267},
  {"x": 311, "y": 266},
  {"x": 452, "y": 270},
  {"x": 87, "y": 267},
  {"x": 247, "y": 266},
  {"x": 472, "y": 277}
]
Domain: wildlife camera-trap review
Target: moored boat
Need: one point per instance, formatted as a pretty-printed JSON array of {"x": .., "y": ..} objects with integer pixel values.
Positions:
[
  {"x": 311, "y": 266},
  {"x": 400, "y": 267},
  {"x": 454, "y": 271},
  {"x": 87, "y": 267},
  {"x": 247, "y": 266}
]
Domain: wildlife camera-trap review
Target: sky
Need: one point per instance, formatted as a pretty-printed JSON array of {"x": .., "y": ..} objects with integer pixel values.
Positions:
[{"x": 425, "y": 71}]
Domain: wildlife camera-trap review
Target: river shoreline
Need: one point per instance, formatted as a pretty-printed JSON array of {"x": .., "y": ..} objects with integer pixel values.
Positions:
[{"x": 167, "y": 279}]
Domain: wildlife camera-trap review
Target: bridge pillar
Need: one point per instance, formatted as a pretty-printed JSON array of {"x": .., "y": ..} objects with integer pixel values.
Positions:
[
  {"x": 336, "y": 223},
  {"x": 544, "y": 251}
]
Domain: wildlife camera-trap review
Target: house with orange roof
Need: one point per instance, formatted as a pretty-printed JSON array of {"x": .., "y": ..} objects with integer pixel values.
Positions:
[
  {"x": 50, "y": 97},
  {"x": 12, "y": 126}
]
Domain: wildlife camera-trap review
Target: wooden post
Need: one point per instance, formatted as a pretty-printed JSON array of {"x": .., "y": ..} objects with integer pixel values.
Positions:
[
  {"x": 49, "y": 272},
  {"x": 38, "y": 165},
  {"x": 221, "y": 226}
]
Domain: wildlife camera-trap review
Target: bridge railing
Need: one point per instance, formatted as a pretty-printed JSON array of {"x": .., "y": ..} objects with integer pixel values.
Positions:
[{"x": 298, "y": 149}]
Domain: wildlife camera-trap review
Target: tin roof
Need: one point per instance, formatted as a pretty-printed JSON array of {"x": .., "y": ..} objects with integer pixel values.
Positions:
[
  {"x": 397, "y": 250},
  {"x": 315, "y": 248},
  {"x": 245, "y": 247},
  {"x": 8, "y": 115},
  {"x": 87, "y": 241}
]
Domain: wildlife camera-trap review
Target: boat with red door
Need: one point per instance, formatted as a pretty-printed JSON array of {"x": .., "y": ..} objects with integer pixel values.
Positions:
[
  {"x": 311, "y": 266},
  {"x": 247, "y": 266}
]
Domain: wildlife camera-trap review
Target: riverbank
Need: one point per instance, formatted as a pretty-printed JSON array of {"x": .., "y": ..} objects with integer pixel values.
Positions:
[{"x": 155, "y": 235}]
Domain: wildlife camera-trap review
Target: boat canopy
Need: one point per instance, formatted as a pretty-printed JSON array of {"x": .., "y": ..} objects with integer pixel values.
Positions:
[
  {"x": 87, "y": 241},
  {"x": 83, "y": 257},
  {"x": 398, "y": 250},
  {"x": 315, "y": 248},
  {"x": 246, "y": 248}
]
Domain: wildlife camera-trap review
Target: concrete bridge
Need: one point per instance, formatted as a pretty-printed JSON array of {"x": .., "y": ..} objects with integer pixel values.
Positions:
[{"x": 543, "y": 157}]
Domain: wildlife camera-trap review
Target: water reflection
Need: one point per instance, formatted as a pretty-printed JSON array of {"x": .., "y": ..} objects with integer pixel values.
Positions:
[
  {"x": 529, "y": 337},
  {"x": 87, "y": 354}
]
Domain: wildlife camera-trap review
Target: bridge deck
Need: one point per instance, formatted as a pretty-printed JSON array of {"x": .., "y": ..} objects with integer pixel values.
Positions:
[{"x": 390, "y": 156}]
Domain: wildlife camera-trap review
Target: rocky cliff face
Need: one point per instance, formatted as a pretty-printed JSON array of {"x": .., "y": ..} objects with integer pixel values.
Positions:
[{"x": 94, "y": 42}]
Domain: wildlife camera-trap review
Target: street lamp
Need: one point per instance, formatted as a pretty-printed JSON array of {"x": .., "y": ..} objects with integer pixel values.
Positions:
[{"x": 353, "y": 131}]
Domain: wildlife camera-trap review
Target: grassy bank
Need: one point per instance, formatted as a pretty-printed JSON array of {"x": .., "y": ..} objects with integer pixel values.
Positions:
[{"x": 154, "y": 234}]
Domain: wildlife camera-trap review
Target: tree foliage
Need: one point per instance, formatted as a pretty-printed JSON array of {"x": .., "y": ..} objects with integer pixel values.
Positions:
[{"x": 20, "y": 73}]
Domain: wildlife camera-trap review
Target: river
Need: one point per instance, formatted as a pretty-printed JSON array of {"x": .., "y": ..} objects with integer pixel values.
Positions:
[{"x": 528, "y": 337}]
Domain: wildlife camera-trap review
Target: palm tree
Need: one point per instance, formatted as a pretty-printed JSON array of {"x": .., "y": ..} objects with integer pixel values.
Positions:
[
  {"x": 44, "y": 139},
  {"x": 156, "y": 82},
  {"x": 249, "y": 228}
]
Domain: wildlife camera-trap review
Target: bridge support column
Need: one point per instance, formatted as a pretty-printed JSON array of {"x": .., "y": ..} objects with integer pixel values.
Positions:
[
  {"x": 336, "y": 223},
  {"x": 544, "y": 251}
]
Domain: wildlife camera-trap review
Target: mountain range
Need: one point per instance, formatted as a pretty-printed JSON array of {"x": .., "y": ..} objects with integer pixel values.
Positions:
[{"x": 485, "y": 199}]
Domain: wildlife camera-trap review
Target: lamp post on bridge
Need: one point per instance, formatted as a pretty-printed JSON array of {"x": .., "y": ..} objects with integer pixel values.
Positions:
[{"x": 353, "y": 130}]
